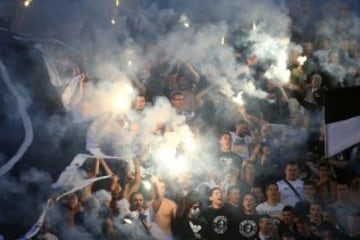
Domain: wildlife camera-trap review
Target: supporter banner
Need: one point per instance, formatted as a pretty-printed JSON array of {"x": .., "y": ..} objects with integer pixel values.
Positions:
[
  {"x": 342, "y": 119},
  {"x": 80, "y": 185},
  {"x": 71, "y": 175}
]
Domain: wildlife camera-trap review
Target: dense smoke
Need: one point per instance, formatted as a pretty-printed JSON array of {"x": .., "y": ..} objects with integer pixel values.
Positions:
[{"x": 113, "y": 44}]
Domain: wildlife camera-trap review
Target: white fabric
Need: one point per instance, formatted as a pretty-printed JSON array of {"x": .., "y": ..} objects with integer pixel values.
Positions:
[
  {"x": 240, "y": 145},
  {"x": 72, "y": 172},
  {"x": 287, "y": 195},
  {"x": 272, "y": 211},
  {"x": 341, "y": 135},
  {"x": 69, "y": 91},
  {"x": 80, "y": 185},
  {"x": 25, "y": 118}
]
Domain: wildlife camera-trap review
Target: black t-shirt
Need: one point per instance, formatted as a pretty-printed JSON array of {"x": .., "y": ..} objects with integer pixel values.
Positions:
[
  {"x": 187, "y": 229},
  {"x": 229, "y": 160},
  {"x": 246, "y": 227},
  {"x": 235, "y": 214},
  {"x": 217, "y": 223}
]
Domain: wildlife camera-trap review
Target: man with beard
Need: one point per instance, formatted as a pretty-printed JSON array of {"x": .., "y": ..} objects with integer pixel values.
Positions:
[
  {"x": 241, "y": 139},
  {"x": 139, "y": 216}
]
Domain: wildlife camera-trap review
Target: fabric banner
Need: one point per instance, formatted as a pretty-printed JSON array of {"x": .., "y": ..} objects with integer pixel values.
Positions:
[{"x": 342, "y": 119}]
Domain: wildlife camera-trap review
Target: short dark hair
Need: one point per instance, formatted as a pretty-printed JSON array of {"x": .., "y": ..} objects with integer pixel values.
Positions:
[
  {"x": 303, "y": 219},
  {"x": 231, "y": 188},
  {"x": 310, "y": 182},
  {"x": 288, "y": 208},
  {"x": 290, "y": 163},
  {"x": 176, "y": 93},
  {"x": 212, "y": 190},
  {"x": 267, "y": 185},
  {"x": 288, "y": 235}
]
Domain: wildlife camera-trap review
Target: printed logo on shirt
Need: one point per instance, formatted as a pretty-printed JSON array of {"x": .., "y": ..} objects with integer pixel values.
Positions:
[
  {"x": 248, "y": 228},
  {"x": 219, "y": 224},
  {"x": 225, "y": 161}
]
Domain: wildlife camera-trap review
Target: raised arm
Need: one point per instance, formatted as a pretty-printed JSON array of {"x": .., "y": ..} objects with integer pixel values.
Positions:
[
  {"x": 195, "y": 75},
  {"x": 95, "y": 171},
  {"x": 137, "y": 182}
]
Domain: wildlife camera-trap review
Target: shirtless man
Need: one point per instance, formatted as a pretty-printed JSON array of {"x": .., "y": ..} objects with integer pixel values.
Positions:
[{"x": 164, "y": 210}]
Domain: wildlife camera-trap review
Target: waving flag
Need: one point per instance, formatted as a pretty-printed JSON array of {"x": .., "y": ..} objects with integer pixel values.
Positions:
[{"x": 342, "y": 119}]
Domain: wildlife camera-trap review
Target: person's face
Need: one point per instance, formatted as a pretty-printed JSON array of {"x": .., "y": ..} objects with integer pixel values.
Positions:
[
  {"x": 327, "y": 216},
  {"x": 315, "y": 210},
  {"x": 272, "y": 192},
  {"x": 323, "y": 172},
  {"x": 302, "y": 229},
  {"x": 258, "y": 194},
  {"x": 270, "y": 86},
  {"x": 182, "y": 82},
  {"x": 266, "y": 225},
  {"x": 137, "y": 201},
  {"x": 342, "y": 191},
  {"x": 291, "y": 172},
  {"x": 316, "y": 81},
  {"x": 234, "y": 196},
  {"x": 287, "y": 217},
  {"x": 162, "y": 189},
  {"x": 308, "y": 48},
  {"x": 178, "y": 102},
  {"x": 309, "y": 191},
  {"x": 266, "y": 150},
  {"x": 249, "y": 203},
  {"x": 296, "y": 119},
  {"x": 216, "y": 198},
  {"x": 195, "y": 207},
  {"x": 241, "y": 129},
  {"x": 225, "y": 142},
  {"x": 265, "y": 130},
  {"x": 139, "y": 103}
]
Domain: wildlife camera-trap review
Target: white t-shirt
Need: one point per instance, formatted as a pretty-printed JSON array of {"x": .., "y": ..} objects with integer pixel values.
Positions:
[
  {"x": 272, "y": 211},
  {"x": 287, "y": 195}
]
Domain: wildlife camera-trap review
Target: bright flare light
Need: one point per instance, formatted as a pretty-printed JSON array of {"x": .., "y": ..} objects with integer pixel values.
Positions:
[
  {"x": 184, "y": 20},
  {"x": 130, "y": 63},
  {"x": 190, "y": 142},
  {"x": 147, "y": 185},
  {"x": 113, "y": 22},
  {"x": 178, "y": 166},
  {"x": 239, "y": 99},
  {"x": 27, "y": 3},
  {"x": 254, "y": 27},
  {"x": 301, "y": 60},
  {"x": 121, "y": 98},
  {"x": 117, "y": 3},
  {"x": 121, "y": 103},
  {"x": 222, "y": 40}
]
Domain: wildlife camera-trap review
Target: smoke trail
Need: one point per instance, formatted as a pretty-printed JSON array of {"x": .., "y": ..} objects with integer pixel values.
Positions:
[{"x": 25, "y": 120}]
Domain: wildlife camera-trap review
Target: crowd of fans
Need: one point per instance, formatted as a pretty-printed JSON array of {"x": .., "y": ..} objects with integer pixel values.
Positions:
[{"x": 268, "y": 177}]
